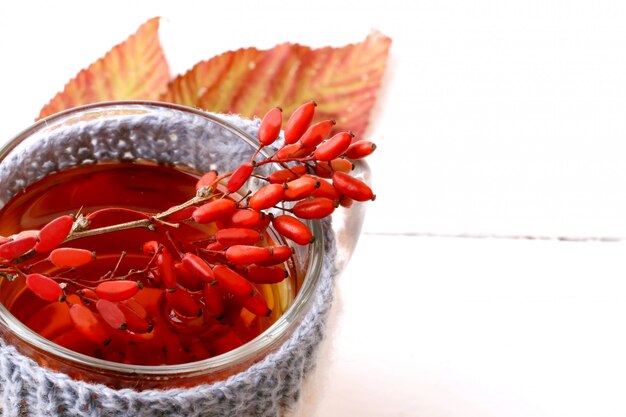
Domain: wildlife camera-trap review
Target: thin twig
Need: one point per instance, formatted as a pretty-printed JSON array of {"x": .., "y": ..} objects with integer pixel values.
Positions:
[{"x": 143, "y": 223}]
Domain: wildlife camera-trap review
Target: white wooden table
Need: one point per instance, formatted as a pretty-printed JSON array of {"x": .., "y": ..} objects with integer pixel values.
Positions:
[{"x": 490, "y": 279}]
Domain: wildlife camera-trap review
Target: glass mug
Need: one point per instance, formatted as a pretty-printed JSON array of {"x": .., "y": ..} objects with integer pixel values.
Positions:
[{"x": 176, "y": 136}]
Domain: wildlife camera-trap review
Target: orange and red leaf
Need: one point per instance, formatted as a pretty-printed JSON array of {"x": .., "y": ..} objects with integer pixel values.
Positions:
[{"x": 136, "y": 69}]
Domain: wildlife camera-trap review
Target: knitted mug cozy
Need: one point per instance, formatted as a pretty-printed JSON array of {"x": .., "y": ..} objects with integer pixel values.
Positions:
[{"x": 264, "y": 389}]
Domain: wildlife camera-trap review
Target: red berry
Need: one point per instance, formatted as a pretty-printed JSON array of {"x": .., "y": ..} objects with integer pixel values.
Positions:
[
  {"x": 149, "y": 299},
  {"x": 345, "y": 201},
  {"x": 73, "y": 299},
  {"x": 239, "y": 177},
  {"x": 300, "y": 188},
  {"x": 323, "y": 169},
  {"x": 278, "y": 255},
  {"x": 237, "y": 236},
  {"x": 317, "y": 133},
  {"x": 270, "y": 126},
  {"x": 303, "y": 151},
  {"x": 134, "y": 321},
  {"x": 88, "y": 324},
  {"x": 352, "y": 187},
  {"x": 187, "y": 278},
  {"x": 265, "y": 274},
  {"x": 89, "y": 293},
  {"x": 117, "y": 290},
  {"x": 214, "y": 210},
  {"x": 44, "y": 287},
  {"x": 71, "y": 257},
  {"x": 198, "y": 267},
  {"x": 134, "y": 305},
  {"x": 242, "y": 254},
  {"x": 267, "y": 197},
  {"x": 14, "y": 248},
  {"x": 250, "y": 219},
  {"x": 231, "y": 281},
  {"x": 293, "y": 229},
  {"x": 111, "y": 314},
  {"x": 299, "y": 122},
  {"x": 165, "y": 266},
  {"x": 360, "y": 149},
  {"x": 326, "y": 189},
  {"x": 215, "y": 246},
  {"x": 213, "y": 299},
  {"x": 342, "y": 165},
  {"x": 150, "y": 247},
  {"x": 287, "y": 174},
  {"x": 315, "y": 208},
  {"x": 333, "y": 147},
  {"x": 206, "y": 180},
  {"x": 54, "y": 233},
  {"x": 24, "y": 234},
  {"x": 256, "y": 304},
  {"x": 232, "y": 311},
  {"x": 183, "y": 302},
  {"x": 289, "y": 151}
]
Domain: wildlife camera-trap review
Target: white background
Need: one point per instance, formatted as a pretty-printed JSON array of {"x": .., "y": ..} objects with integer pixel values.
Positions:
[{"x": 503, "y": 122}]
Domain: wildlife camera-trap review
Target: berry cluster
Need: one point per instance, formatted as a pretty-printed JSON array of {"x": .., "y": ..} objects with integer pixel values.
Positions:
[{"x": 195, "y": 284}]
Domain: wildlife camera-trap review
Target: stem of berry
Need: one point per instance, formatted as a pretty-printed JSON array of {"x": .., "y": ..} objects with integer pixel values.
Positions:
[{"x": 202, "y": 196}]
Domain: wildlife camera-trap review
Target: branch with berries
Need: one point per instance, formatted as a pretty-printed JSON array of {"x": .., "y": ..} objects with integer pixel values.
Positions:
[{"x": 213, "y": 278}]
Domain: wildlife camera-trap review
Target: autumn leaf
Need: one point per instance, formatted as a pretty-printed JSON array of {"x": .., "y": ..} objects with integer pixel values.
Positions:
[
  {"x": 344, "y": 81},
  {"x": 136, "y": 69}
]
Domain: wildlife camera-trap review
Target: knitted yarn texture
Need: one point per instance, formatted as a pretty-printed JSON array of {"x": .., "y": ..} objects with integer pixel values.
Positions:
[{"x": 264, "y": 389}]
